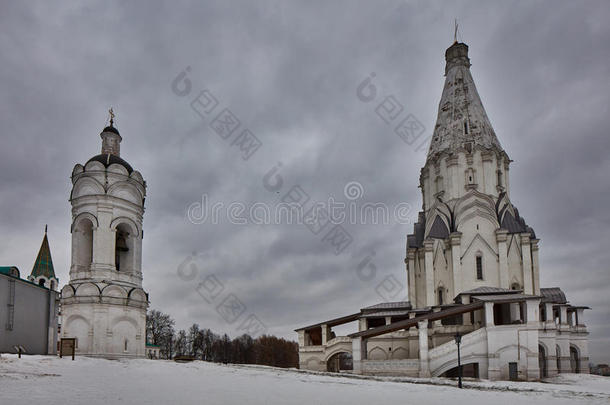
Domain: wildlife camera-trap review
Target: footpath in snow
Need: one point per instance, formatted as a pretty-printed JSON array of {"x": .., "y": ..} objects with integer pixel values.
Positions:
[{"x": 51, "y": 380}]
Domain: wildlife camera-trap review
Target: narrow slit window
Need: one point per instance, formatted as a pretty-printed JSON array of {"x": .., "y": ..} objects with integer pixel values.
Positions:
[
  {"x": 466, "y": 127},
  {"x": 479, "y": 268}
]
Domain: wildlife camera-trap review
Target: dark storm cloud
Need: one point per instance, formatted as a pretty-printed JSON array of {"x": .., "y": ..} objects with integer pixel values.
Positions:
[{"x": 289, "y": 72}]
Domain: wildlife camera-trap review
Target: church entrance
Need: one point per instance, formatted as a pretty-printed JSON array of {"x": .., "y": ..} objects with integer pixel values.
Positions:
[
  {"x": 542, "y": 357},
  {"x": 574, "y": 360},
  {"x": 470, "y": 370},
  {"x": 340, "y": 362}
]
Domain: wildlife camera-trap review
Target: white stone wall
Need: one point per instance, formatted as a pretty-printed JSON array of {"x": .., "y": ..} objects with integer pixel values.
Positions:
[{"x": 105, "y": 330}]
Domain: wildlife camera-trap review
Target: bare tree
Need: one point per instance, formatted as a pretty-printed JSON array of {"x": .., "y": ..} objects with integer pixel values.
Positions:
[
  {"x": 181, "y": 343},
  {"x": 160, "y": 331}
]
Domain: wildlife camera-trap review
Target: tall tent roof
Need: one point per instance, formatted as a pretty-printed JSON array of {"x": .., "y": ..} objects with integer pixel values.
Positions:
[
  {"x": 43, "y": 266},
  {"x": 461, "y": 117}
]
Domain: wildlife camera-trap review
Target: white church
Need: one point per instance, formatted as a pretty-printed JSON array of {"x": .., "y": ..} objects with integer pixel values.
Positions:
[
  {"x": 472, "y": 269},
  {"x": 104, "y": 306}
]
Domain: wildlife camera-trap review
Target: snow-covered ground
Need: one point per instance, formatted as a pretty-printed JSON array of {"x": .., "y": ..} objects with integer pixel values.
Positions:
[{"x": 51, "y": 380}]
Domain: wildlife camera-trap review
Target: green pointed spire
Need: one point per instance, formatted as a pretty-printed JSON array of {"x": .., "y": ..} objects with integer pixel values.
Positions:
[{"x": 44, "y": 264}]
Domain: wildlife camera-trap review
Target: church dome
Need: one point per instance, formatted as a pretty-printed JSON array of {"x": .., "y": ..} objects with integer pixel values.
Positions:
[
  {"x": 107, "y": 159},
  {"x": 110, "y": 128}
]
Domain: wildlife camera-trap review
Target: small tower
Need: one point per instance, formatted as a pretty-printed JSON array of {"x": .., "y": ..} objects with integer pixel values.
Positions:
[
  {"x": 104, "y": 305},
  {"x": 43, "y": 272}
]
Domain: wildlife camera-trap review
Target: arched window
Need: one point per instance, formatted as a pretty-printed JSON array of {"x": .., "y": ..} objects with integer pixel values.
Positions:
[
  {"x": 120, "y": 248},
  {"x": 41, "y": 282},
  {"x": 574, "y": 360},
  {"x": 125, "y": 345},
  {"x": 470, "y": 175},
  {"x": 440, "y": 293},
  {"x": 479, "y": 265},
  {"x": 82, "y": 244},
  {"x": 515, "y": 286},
  {"x": 542, "y": 361},
  {"x": 123, "y": 249}
]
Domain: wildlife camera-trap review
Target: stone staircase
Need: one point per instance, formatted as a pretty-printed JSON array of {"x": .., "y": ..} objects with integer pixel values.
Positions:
[{"x": 473, "y": 349}]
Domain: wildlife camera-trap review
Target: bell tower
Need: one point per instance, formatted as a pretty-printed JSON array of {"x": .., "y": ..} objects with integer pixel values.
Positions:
[{"x": 104, "y": 305}]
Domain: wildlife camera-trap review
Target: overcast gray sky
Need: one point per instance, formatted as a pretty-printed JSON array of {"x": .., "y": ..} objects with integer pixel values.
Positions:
[{"x": 289, "y": 72}]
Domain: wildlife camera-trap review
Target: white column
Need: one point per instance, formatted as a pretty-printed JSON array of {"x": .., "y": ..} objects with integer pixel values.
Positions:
[
  {"x": 580, "y": 317},
  {"x": 489, "y": 314},
  {"x": 466, "y": 316},
  {"x": 424, "y": 366},
  {"x": 429, "y": 263},
  {"x": 358, "y": 354},
  {"x": 76, "y": 236},
  {"x": 426, "y": 187},
  {"x": 528, "y": 285},
  {"x": 535, "y": 267},
  {"x": 455, "y": 239},
  {"x": 550, "y": 319},
  {"x": 324, "y": 334},
  {"x": 453, "y": 188},
  {"x": 104, "y": 238},
  {"x": 506, "y": 177},
  {"x": 362, "y": 324},
  {"x": 532, "y": 308},
  {"x": 411, "y": 276},
  {"x": 563, "y": 315},
  {"x": 501, "y": 237},
  {"x": 488, "y": 175},
  {"x": 530, "y": 339}
]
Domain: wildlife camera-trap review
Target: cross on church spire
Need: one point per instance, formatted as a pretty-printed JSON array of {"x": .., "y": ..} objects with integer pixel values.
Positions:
[
  {"x": 111, "y": 112},
  {"x": 111, "y": 139}
]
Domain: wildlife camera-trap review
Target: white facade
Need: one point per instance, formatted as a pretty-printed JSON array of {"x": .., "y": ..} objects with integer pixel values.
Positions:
[
  {"x": 472, "y": 268},
  {"x": 104, "y": 305}
]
